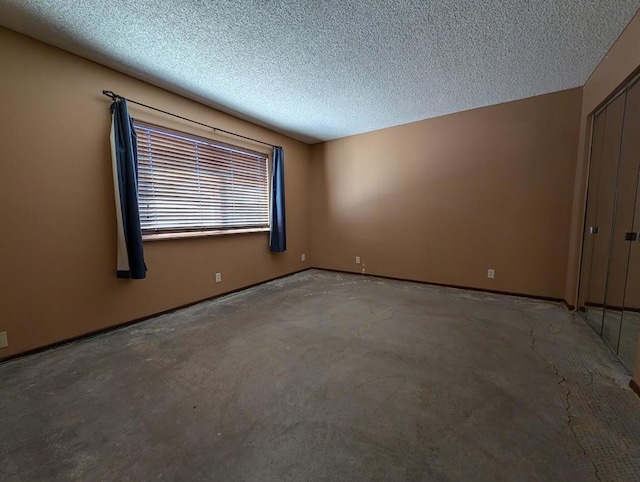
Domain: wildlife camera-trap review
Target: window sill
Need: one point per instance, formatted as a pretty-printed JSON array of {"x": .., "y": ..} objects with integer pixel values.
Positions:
[{"x": 200, "y": 234}]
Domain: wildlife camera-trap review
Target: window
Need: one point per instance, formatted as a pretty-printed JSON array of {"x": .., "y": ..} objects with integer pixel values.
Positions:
[{"x": 188, "y": 184}]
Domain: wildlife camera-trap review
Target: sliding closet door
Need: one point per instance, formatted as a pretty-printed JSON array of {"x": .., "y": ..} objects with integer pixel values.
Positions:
[
  {"x": 606, "y": 201},
  {"x": 588, "y": 301},
  {"x": 622, "y": 233},
  {"x": 628, "y": 343}
]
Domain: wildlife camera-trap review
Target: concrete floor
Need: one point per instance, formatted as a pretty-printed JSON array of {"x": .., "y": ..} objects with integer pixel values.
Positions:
[{"x": 324, "y": 376}]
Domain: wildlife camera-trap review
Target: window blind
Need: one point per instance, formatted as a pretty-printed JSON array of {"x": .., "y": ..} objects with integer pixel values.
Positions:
[{"x": 187, "y": 183}]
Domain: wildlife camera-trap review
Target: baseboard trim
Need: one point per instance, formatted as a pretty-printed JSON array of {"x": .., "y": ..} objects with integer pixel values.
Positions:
[
  {"x": 459, "y": 287},
  {"x": 568, "y": 306},
  {"x": 186, "y": 305},
  {"x": 634, "y": 386},
  {"x": 613, "y": 307},
  {"x": 119, "y": 326}
]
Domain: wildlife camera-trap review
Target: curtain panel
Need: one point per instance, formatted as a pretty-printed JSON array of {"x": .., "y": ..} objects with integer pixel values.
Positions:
[
  {"x": 124, "y": 157},
  {"x": 278, "y": 232}
]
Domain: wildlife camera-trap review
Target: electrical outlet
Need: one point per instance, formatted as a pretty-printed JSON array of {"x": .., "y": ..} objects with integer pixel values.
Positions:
[
  {"x": 3, "y": 339},
  {"x": 303, "y": 257},
  {"x": 218, "y": 277},
  {"x": 357, "y": 259},
  {"x": 491, "y": 273}
]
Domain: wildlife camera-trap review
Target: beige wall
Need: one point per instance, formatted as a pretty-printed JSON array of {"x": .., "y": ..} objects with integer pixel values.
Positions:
[
  {"x": 443, "y": 200},
  {"x": 622, "y": 60},
  {"x": 58, "y": 217}
]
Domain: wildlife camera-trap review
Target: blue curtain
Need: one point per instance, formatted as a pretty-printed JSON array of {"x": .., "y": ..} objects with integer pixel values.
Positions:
[
  {"x": 124, "y": 157},
  {"x": 278, "y": 235}
]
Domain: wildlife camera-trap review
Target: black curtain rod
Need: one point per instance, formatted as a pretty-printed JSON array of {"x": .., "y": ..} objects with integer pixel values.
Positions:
[{"x": 113, "y": 96}]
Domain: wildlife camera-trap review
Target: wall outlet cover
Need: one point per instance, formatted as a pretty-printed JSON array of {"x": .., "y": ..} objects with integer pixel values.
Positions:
[
  {"x": 357, "y": 259},
  {"x": 218, "y": 277},
  {"x": 4, "y": 342},
  {"x": 303, "y": 257},
  {"x": 491, "y": 273}
]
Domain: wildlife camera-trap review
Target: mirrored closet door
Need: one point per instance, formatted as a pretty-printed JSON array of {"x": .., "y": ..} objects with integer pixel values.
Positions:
[
  {"x": 609, "y": 293},
  {"x": 603, "y": 178},
  {"x": 630, "y": 154}
]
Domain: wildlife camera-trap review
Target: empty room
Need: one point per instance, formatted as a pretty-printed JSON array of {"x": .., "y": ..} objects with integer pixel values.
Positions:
[{"x": 320, "y": 240}]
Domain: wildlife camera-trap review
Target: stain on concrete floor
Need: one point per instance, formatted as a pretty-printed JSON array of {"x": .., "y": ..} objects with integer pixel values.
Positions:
[{"x": 326, "y": 376}]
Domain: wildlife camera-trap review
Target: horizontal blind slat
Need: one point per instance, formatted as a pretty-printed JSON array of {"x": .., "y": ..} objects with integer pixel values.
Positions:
[{"x": 189, "y": 183}]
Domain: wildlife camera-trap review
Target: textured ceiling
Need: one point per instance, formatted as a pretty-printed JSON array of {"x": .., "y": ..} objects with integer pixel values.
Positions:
[{"x": 321, "y": 70}]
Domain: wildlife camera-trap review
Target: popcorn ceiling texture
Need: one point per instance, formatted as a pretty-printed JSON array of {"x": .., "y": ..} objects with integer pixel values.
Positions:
[{"x": 321, "y": 70}]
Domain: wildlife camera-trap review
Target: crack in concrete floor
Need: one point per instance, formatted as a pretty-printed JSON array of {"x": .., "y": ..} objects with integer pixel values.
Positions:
[{"x": 563, "y": 381}]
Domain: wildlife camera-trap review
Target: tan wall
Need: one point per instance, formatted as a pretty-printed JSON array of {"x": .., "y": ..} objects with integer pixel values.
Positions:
[
  {"x": 443, "y": 200},
  {"x": 58, "y": 218},
  {"x": 622, "y": 60}
]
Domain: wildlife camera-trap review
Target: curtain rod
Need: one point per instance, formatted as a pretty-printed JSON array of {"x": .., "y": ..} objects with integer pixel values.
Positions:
[{"x": 114, "y": 97}]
